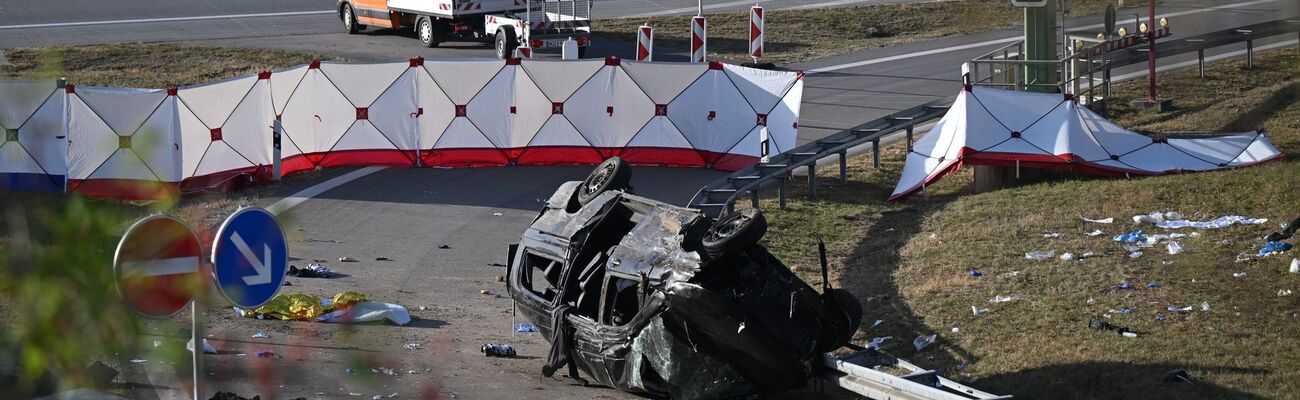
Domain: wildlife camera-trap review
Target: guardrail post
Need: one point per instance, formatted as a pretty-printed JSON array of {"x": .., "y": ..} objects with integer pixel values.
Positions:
[
  {"x": 1105, "y": 106},
  {"x": 1250, "y": 54},
  {"x": 844, "y": 166},
  {"x": 812, "y": 181},
  {"x": 753, "y": 197},
  {"x": 1200, "y": 62},
  {"x": 875, "y": 153},
  {"x": 780, "y": 194},
  {"x": 909, "y": 139}
]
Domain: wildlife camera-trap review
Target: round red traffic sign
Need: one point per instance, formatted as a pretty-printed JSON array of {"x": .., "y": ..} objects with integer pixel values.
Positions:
[{"x": 157, "y": 266}]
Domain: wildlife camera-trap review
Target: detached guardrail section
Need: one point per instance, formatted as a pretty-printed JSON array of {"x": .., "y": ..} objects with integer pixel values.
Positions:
[{"x": 719, "y": 196}]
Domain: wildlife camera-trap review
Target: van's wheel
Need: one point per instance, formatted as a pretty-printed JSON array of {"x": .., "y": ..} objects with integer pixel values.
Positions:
[
  {"x": 612, "y": 174},
  {"x": 431, "y": 34},
  {"x": 734, "y": 232},
  {"x": 350, "y": 19},
  {"x": 506, "y": 43}
]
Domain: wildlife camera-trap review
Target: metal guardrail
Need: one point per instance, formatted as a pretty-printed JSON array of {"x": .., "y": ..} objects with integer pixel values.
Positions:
[{"x": 720, "y": 195}]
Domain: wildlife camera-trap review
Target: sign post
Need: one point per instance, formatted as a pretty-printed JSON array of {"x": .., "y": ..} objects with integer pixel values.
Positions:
[
  {"x": 645, "y": 43},
  {"x": 756, "y": 28},
  {"x": 156, "y": 267},
  {"x": 249, "y": 257},
  {"x": 699, "y": 39},
  {"x": 1040, "y": 44}
]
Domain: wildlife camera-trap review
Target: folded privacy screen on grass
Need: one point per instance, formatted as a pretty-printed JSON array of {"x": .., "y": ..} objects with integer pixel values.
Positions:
[
  {"x": 1050, "y": 131},
  {"x": 149, "y": 143}
]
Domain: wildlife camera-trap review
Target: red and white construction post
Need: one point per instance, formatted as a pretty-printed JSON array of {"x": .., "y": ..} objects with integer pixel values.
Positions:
[
  {"x": 756, "y": 33},
  {"x": 699, "y": 39},
  {"x": 645, "y": 43},
  {"x": 523, "y": 51}
]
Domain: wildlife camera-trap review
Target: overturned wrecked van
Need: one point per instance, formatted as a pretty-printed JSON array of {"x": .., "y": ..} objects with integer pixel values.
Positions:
[{"x": 664, "y": 301}]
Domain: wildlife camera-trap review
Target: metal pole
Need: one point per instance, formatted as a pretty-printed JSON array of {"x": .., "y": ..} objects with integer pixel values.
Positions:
[
  {"x": 753, "y": 197},
  {"x": 699, "y": 8},
  {"x": 909, "y": 139},
  {"x": 812, "y": 181},
  {"x": 780, "y": 193},
  {"x": 1250, "y": 54},
  {"x": 196, "y": 330},
  {"x": 276, "y": 128},
  {"x": 875, "y": 153},
  {"x": 1200, "y": 61},
  {"x": 1105, "y": 105},
  {"x": 1151, "y": 50},
  {"x": 844, "y": 166}
]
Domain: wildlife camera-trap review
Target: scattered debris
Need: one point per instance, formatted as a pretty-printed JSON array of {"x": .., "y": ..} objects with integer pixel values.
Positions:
[
  {"x": 1051, "y": 235},
  {"x": 1128, "y": 334},
  {"x": 1205, "y": 306},
  {"x": 1067, "y": 256},
  {"x": 524, "y": 327},
  {"x": 1153, "y": 285},
  {"x": 1040, "y": 255},
  {"x": 956, "y": 330},
  {"x": 1100, "y": 221},
  {"x": 1217, "y": 223},
  {"x": 382, "y": 259},
  {"x": 1274, "y": 248},
  {"x": 312, "y": 271},
  {"x": 207, "y": 348},
  {"x": 344, "y": 307},
  {"x": 922, "y": 341},
  {"x": 1096, "y": 233},
  {"x": 496, "y": 265},
  {"x": 1295, "y": 265},
  {"x": 1175, "y": 248},
  {"x": 874, "y": 324},
  {"x": 1287, "y": 232},
  {"x": 484, "y": 291},
  {"x": 138, "y": 361},
  {"x": 1179, "y": 376},
  {"x": 497, "y": 214},
  {"x": 1003, "y": 299},
  {"x": 266, "y": 354},
  {"x": 1124, "y": 310},
  {"x": 1122, "y": 286},
  {"x": 976, "y": 273},
  {"x": 498, "y": 350},
  {"x": 261, "y": 335},
  {"x": 1101, "y": 325},
  {"x": 1136, "y": 254},
  {"x": 347, "y": 259},
  {"x": 878, "y": 343},
  {"x": 1087, "y": 255},
  {"x": 1238, "y": 274},
  {"x": 1160, "y": 316},
  {"x": 977, "y": 311},
  {"x": 501, "y": 278},
  {"x": 1131, "y": 237},
  {"x": 1167, "y": 262},
  {"x": 443, "y": 246},
  {"x": 1284, "y": 292}
]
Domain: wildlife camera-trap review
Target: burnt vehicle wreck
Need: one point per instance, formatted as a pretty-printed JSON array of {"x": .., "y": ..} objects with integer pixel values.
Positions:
[{"x": 663, "y": 301}]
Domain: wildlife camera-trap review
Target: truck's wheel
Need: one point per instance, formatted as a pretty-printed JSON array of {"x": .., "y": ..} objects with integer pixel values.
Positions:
[
  {"x": 350, "y": 19},
  {"x": 425, "y": 30},
  {"x": 506, "y": 43},
  {"x": 734, "y": 232}
]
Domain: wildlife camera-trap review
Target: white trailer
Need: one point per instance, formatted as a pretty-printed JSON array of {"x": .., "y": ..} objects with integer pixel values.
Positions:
[{"x": 507, "y": 24}]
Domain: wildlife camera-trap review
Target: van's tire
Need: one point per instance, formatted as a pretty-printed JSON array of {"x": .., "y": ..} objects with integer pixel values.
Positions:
[
  {"x": 612, "y": 174},
  {"x": 734, "y": 232},
  {"x": 429, "y": 32},
  {"x": 349, "y": 19},
  {"x": 506, "y": 42}
]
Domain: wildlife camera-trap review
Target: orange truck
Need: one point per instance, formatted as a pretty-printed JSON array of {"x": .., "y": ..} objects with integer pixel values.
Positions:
[{"x": 508, "y": 24}]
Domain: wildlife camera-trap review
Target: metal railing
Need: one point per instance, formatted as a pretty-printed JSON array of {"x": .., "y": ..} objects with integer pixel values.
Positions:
[{"x": 720, "y": 195}]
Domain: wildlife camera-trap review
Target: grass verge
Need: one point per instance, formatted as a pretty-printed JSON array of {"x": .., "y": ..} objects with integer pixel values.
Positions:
[
  {"x": 800, "y": 35},
  {"x": 909, "y": 261},
  {"x": 144, "y": 65}
]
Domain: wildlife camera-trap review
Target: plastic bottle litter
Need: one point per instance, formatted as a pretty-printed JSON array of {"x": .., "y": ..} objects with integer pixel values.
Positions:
[
  {"x": 1051, "y": 235},
  {"x": 1180, "y": 309},
  {"x": 1175, "y": 248},
  {"x": 525, "y": 327},
  {"x": 1067, "y": 256},
  {"x": 1238, "y": 274},
  {"x": 1131, "y": 237},
  {"x": 1040, "y": 255},
  {"x": 1129, "y": 334},
  {"x": 922, "y": 341},
  {"x": 498, "y": 350},
  {"x": 977, "y": 311},
  {"x": 1295, "y": 265},
  {"x": 1003, "y": 299}
]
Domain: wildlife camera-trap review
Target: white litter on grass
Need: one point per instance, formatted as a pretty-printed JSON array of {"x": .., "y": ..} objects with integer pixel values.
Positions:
[
  {"x": 1086, "y": 255},
  {"x": 878, "y": 322},
  {"x": 977, "y": 311},
  {"x": 1180, "y": 309},
  {"x": 1136, "y": 254},
  {"x": 955, "y": 330},
  {"x": 1284, "y": 292},
  {"x": 1067, "y": 256},
  {"x": 1238, "y": 274},
  {"x": 1100, "y": 221},
  {"x": 877, "y": 341},
  {"x": 1052, "y": 235},
  {"x": 138, "y": 361},
  {"x": 1205, "y": 306},
  {"x": 1040, "y": 255},
  {"x": 1217, "y": 223},
  {"x": 1129, "y": 334},
  {"x": 1295, "y": 265},
  {"x": 261, "y": 335},
  {"x": 1175, "y": 248},
  {"x": 1095, "y": 233},
  {"x": 207, "y": 348},
  {"x": 1003, "y": 299},
  {"x": 1013, "y": 273}
]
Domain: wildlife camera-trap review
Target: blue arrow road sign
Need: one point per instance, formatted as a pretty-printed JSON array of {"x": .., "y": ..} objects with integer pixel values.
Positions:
[{"x": 249, "y": 257}]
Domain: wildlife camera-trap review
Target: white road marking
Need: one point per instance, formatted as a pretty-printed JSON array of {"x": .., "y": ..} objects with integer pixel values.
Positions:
[
  {"x": 684, "y": 10},
  {"x": 171, "y": 19},
  {"x": 1009, "y": 40},
  {"x": 289, "y": 202},
  {"x": 1189, "y": 63},
  {"x": 166, "y": 266}
]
